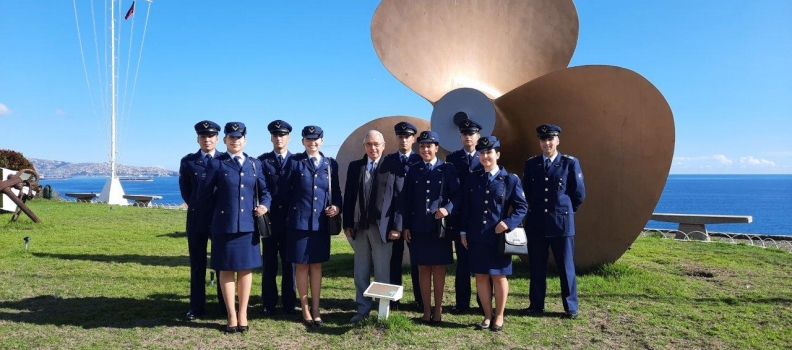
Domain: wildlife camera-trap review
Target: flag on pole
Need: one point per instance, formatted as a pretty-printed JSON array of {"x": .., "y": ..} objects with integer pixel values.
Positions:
[{"x": 130, "y": 12}]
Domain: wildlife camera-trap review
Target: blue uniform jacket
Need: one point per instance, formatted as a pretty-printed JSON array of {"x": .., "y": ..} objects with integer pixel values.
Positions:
[
  {"x": 307, "y": 192},
  {"x": 482, "y": 205},
  {"x": 553, "y": 198},
  {"x": 192, "y": 170},
  {"x": 273, "y": 174},
  {"x": 413, "y": 159},
  {"x": 422, "y": 195},
  {"x": 233, "y": 187},
  {"x": 464, "y": 167}
]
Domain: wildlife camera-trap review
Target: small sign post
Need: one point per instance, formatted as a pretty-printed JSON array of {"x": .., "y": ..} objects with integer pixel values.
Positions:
[{"x": 385, "y": 293}]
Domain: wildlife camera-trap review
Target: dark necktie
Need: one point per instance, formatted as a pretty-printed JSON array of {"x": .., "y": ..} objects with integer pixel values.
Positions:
[
  {"x": 404, "y": 160},
  {"x": 547, "y": 164},
  {"x": 428, "y": 167},
  {"x": 237, "y": 159},
  {"x": 280, "y": 160},
  {"x": 315, "y": 162},
  {"x": 490, "y": 177},
  {"x": 207, "y": 158},
  {"x": 470, "y": 158},
  {"x": 372, "y": 168}
]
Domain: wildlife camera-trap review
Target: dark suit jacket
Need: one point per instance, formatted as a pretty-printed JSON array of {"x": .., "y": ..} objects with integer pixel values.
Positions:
[{"x": 386, "y": 187}]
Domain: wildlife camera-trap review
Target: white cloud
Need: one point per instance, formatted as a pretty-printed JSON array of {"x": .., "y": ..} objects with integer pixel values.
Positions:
[
  {"x": 4, "y": 110},
  {"x": 754, "y": 162}
]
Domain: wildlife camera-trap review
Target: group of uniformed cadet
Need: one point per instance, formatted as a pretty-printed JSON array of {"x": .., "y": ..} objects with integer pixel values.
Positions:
[{"x": 469, "y": 195}]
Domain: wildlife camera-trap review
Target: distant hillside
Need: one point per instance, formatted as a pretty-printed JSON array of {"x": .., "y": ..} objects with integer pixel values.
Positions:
[{"x": 56, "y": 168}]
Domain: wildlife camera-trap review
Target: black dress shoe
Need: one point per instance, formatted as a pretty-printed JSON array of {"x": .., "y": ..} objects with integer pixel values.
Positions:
[
  {"x": 483, "y": 325},
  {"x": 496, "y": 328},
  {"x": 268, "y": 311},
  {"x": 570, "y": 315},
  {"x": 243, "y": 329},
  {"x": 230, "y": 329},
  {"x": 308, "y": 323},
  {"x": 318, "y": 323},
  {"x": 456, "y": 310},
  {"x": 533, "y": 312},
  {"x": 192, "y": 315}
]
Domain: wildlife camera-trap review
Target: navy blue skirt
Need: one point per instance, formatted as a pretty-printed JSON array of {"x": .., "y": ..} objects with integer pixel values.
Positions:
[
  {"x": 235, "y": 251},
  {"x": 427, "y": 249},
  {"x": 485, "y": 258},
  {"x": 307, "y": 247}
]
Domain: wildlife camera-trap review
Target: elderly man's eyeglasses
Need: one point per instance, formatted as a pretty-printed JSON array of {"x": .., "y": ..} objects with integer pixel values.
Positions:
[{"x": 373, "y": 144}]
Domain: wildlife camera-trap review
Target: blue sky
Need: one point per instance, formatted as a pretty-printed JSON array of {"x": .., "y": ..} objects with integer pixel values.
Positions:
[{"x": 725, "y": 68}]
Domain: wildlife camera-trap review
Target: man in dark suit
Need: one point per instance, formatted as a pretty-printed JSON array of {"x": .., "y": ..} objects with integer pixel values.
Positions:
[
  {"x": 371, "y": 191},
  {"x": 273, "y": 164},
  {"x": 466, "y": 162},
  {"x": 405, "y": 131},
  {"x": 192, "y": 171},
  {"x": 553, "y": 185}
]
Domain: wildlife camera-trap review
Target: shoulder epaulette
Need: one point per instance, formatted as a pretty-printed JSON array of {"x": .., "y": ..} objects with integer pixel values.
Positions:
[
  {"x": 568, "y": 156},
  {"x": 532, "y": 157}
]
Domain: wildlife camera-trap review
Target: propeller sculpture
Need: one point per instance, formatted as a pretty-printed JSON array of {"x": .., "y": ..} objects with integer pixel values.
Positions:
[{"x": 504, "y": 63}]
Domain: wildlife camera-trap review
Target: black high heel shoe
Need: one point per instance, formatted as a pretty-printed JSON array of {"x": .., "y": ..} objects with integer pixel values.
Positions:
[
  {"x": 229, "y": 329},
  {"x": 243, "y": 329}
]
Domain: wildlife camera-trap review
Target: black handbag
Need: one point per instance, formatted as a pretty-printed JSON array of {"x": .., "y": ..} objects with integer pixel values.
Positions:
[
  {"x": 333, "y": 222},
  {"x": 262, "y": 223},
  {"x": 440, "y": 224},
  {"x": 515, "y": 241}
]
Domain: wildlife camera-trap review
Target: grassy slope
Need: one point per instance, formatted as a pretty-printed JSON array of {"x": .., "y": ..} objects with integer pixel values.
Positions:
[{"x": 99, "y": 277}]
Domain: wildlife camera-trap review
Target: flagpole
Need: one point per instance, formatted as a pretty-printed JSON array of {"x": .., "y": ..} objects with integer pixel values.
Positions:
[{"x": 112, "y": 192}]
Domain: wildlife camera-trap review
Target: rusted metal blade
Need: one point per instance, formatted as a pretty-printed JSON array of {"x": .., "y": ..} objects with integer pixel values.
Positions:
[
  {"x": 437, "y": 46},
  {"x": 621, "y": 129}
]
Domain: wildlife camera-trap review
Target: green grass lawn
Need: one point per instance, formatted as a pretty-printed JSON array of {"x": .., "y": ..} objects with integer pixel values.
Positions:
[{"x": 97, "y": 276}]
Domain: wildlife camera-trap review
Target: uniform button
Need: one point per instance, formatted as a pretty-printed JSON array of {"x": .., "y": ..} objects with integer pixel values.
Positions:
[
  {"x": 242, "y": 210},
  {"x": 427, "y": 210},
  {"x": 545, "y": 199},
  {"x": 546, "y": 179},
  {"x": 294, "y": 208},
  {"x": 241, "y": 174},
  {"x": 427, "y": 181},
  {"x": 315, "y": 175},
  {"x": 241, "y": 198},
  {"x": 196, "y": 173},
  {"x": 427, "y": 200},
  {"x": 314, "y": 187},
  {"x": 486, "y": 212},
  {"x": 545, "y": 210},
  {"x": 280, "y": 206},
  {"x": 485, "y": 222},
  {"x": 314, "y": 210},
  {"x": 485, "y": 202},
  {"x": 242, "y": 185},
  {"x": 545, "y": 190},
  {"x": 315, "y": 198},
  {"x": 193, "y": 209},
  {"x": 222, "y": 212},
  {"x": 427, "y": 191},
  {"x": 487, "y": 191}
]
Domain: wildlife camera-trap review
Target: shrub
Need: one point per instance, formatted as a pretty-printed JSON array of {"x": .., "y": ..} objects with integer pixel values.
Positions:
[{"x": 14, "y": 160}]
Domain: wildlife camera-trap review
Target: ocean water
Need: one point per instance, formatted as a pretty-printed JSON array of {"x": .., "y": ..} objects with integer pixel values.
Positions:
[{"x": 768, "y": 198}]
